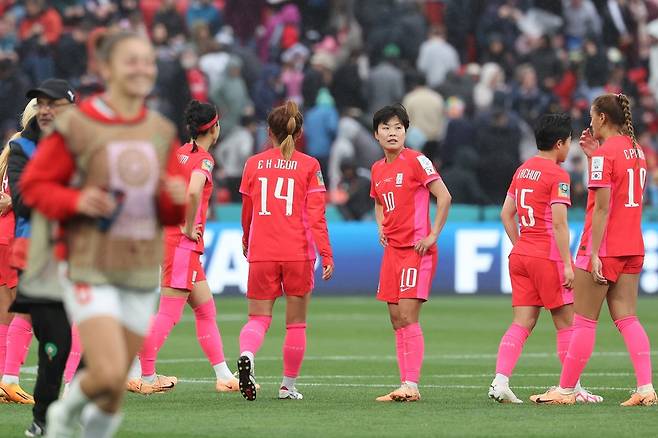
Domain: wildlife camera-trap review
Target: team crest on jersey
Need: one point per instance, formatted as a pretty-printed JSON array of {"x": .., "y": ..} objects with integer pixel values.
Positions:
[
  {"x": 318, "y": 174},
  {"x": 398, "y": 179},
  {"x": 563, "y": 190},
  {"x": 207, "y": 165},
  {"x": 426, "y": 164},
  {"x": 183, "y": 158},
  {"x": 597, "y": 168}
]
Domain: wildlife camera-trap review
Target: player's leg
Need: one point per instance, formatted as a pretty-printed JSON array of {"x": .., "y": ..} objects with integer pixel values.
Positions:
[
  {"x": 207, "y": 332},
  {"x": 622, "y": 303},
  {"x": 73, "y": 361},
  {"x": 19, "y": 337},
  {"x": 5, "y": 319}
]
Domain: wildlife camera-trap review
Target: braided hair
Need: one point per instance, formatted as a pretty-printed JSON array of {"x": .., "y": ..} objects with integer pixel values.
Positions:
[
  {"x": 286, "y": 122},
  {"x": 617, "y": 108}
]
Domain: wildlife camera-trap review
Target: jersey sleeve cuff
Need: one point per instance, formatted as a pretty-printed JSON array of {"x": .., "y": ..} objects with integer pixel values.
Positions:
[
  {"x": 317, "y": 190},
  {"x": 204, "y": 173},
  {"x": 511, "y": 195},
  {"x": 598, "y": 186},
  {"x": 561, "y": 201},
  {"x": 431, "y": 179}
]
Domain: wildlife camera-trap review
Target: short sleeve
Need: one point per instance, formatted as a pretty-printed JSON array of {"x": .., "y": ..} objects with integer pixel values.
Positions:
[
  {"x": 600, "y": 171},
  {"x": 511, "y": 191},
  {"x": 561, "y": 189},
  {"x": 316, "y": 181},
  {"x": 373, "y": 193},
  {"x": 205, "y": 166},
  {"x": 425, "y": 171},
  {"x": 245, "y": 188}
]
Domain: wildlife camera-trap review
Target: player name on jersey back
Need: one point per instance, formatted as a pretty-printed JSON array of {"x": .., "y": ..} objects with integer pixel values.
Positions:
[{"x": 277, "y": 164}]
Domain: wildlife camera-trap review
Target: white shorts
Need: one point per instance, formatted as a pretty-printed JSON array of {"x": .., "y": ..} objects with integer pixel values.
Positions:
[{"x": 132, "y": 308}]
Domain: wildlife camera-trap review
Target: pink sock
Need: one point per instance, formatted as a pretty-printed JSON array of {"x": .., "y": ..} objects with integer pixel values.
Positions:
[
  {"x": 637, "y": 344},
  {"x": 207, "y": 332},
  {"x": 169, "y": 313},
  {"x": 19, "y": 336},
  {"x": 3, "y": 347},
  {"x": 580, "y": 350},
  {"x": 563, "y": 338},
  {"x": 294, "y": 347},
  {"x": 253, "y": 333},
  {"x": 74, "y": 356},
  {"x": 509, "y": 349},
  {"x": 399, "y": 349},
  {"x": 414, "y": 350}
]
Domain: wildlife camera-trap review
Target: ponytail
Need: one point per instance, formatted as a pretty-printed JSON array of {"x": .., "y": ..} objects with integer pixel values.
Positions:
[
  {"x": 28, "y": 114},
  {"x": 285, "y": 122},
  {"x": 288, "y": 144},
  {"x": 627, "y": 128}
]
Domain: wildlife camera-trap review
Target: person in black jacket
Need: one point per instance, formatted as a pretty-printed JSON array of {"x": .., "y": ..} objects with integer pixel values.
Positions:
[{"x": 49, "y": 322}]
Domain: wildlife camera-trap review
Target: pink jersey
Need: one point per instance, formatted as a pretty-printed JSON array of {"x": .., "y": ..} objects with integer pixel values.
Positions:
[
  {"x": 7, "y": 222},
  {"x": 280, "y": 226},
  {"x": 622, "y": 168},
  {"x": 537, "y": 185},
  {"x": 401, "y": 188},
  {"x": 199, "y": 161}
]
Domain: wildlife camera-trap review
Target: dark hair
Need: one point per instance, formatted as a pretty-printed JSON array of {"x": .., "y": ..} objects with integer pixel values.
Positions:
[
  {"x": 196, "y": 115},
  {"x": 617, "y": 108},
  {"x": 385, "y": 114},
  {"x": 550, "y": 128},
  {"x": 286, "y": 122},
  {"x": 108, "y": 42}
]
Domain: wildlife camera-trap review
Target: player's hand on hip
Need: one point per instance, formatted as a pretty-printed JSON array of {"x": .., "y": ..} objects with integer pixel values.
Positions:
[
  {"x": 245, "y": 249},
  {"x": 423, "y": 245},
  {"x": 194, "y": 233},
  {"x": 96, "y": 202},
  {"x": 383, "y": 241},
  {"x": 597, "y": 270},
  {"x": 5, "y": 203},
  {"x": 569, "y": 277},
  {"x": 176, "y": 189},
  {"x": 588, "y": 143},
  {"x": 327, "y": 272}
]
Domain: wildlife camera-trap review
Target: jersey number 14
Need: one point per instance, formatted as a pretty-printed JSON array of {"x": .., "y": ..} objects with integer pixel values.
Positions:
[{"x": 278, "y": 189}]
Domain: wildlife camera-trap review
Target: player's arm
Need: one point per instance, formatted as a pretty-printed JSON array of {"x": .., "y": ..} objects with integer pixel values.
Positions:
[
  {"x": 247, "y": 211},
  {"x": 599, "y": 222},
  {"x": 561, "y": 233},
  {"x": 508, "y": 218},
  {"x": 192, "y": 201},
  {"x": 379, "y": 217},
  {"x": 315, "y": 206},
  {"x": 443, "y": 201},
  {"x": 171, "y": 196}
]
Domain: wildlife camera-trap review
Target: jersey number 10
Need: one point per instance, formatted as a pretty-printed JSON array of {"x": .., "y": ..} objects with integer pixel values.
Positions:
[{"x": 288, "y": 197}]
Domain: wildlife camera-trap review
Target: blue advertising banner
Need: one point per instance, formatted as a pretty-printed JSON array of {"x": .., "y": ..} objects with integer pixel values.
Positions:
[{"x": 472, "y": 259}]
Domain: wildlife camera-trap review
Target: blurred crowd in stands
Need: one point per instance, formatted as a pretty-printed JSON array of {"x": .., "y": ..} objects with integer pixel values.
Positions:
[{"x": 474, "y": 75}]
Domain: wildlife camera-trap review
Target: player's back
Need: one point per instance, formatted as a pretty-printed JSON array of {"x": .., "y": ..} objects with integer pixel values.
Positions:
[
  {"x": 537, "y": 185},
  {"x": 622, "y": 167},
  {"x": 278, "y": 189}
]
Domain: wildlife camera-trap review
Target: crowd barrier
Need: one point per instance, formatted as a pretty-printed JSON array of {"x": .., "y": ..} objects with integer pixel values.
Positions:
[{"x": 472, "y": 259}]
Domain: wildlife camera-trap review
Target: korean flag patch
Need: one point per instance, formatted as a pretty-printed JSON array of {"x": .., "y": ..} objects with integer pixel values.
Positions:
[
  {"x": 563, "y": 190},
  {"x": 427, "y": 165}
]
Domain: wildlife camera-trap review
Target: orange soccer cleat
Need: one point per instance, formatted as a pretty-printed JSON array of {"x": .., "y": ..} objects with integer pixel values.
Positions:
[
  {"x": 403, "y": 394},
  {"x": 161, "y": 384},
  {"x": 554, "y": 397},
  {"x": 637, "y": 399},
  {"x": 13, "y": 393}
]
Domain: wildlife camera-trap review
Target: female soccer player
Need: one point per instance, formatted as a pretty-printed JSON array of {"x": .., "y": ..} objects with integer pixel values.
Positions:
[
  {"x": 283, "y": 223},
  {"x": 123, "y": 156},
  {"x": 183, "y": 278},
  {"x": 401, "y": 185},
  {"x": 15, "y": 331},
  {"x": 611, "y": 251},
  {"x": 540, "y": 264}
]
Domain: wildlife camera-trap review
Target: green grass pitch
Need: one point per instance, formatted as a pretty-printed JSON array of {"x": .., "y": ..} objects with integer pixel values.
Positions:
[{"x": 351, "y": 360}]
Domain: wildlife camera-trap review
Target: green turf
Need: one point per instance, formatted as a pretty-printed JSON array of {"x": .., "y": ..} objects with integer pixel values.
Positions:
[{"x": 350, "y": 360}]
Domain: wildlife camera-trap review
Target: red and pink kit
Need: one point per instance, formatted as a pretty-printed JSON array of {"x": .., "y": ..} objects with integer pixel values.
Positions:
[
  {"x": 8, "y": 275},
  {"x": 401, "y": 187},
  {"x": 283, "y": 221},
  {"x": 622, "y": 168},
  {"x": 535, "y": 266}
]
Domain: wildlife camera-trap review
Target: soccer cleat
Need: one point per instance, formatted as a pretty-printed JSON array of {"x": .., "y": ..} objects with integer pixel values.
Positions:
[
  {"x": 289, "y": 394},
  {"x": 161, "y": 384},
  {"x": 584, "y": 396},
  {"x": 13, "y": 393},
  {"x": 554, "y": 397},
  {"x": 230, "y": 385},
  {"x": 60, "y": 423},
  {"x": 35, "y": 429},
  {"x": 405, "y": 394},
  {"x": 638, "y": 399},
  {"x": 246, "y": 380},
  {"x": 503, "y": 394}
]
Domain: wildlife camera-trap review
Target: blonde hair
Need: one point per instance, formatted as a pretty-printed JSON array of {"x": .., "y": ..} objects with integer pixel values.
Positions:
[
  {"x": 29, "y": 113},
  {"x": 286, "y": 122}
]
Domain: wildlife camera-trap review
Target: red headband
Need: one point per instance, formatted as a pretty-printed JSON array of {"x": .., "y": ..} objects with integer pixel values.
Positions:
[{"x": 210, "y": 124}]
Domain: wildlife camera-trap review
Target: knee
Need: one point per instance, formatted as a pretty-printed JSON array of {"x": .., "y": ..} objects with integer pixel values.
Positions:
[
  {"x": 110, "y": 379},
  {"x": 206, "y": 311},
  {"x": 527, "y": 323}
]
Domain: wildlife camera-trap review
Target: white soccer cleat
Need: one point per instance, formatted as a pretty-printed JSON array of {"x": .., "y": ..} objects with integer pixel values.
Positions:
[
  {"x": 584, "y": 396},
  {"x": 503, "y": 394},
  {"x": 289, "y": 394},
  {"x": 60, "y": 424}
]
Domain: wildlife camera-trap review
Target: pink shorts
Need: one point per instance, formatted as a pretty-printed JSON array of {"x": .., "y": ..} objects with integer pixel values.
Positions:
[
  {"x": 405, "y": 274},
  {"x": 538, "y": 282},
  {"x": 613, "y": 267},
  {"x": 181, "y": 268},
  {"x": 8, "y": 275},
  {"x": 270, "y": 280}
]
